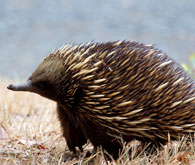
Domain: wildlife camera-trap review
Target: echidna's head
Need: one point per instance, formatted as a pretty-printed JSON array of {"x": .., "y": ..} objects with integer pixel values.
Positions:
[{"x": 45, "y": 80}]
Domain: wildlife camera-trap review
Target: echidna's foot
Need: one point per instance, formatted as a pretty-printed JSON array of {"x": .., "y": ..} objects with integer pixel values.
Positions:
[
  {"x": 74, "y": 141},
  {"x": 70, "y": 156},
  {"x": 73, "y": 148}
]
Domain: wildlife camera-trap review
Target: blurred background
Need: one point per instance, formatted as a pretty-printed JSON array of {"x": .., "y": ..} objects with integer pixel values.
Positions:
[{"x": 31, "y": 29}]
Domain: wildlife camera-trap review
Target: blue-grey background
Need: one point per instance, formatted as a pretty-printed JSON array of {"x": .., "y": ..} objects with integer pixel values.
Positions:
[{"x": 31, "y": 29}]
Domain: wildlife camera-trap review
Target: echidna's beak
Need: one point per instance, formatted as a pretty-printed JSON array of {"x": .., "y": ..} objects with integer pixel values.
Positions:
[{"x": 22, "y": 87}]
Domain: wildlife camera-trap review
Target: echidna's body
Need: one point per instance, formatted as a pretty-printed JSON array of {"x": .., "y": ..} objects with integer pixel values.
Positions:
[{"x": 105, "y": 90}]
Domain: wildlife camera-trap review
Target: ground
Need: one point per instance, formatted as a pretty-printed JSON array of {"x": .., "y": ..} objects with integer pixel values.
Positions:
[{"x": 30, "y": 133}]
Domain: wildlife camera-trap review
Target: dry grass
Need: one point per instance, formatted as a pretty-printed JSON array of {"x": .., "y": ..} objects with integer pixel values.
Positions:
[{"x": 30, "y": 134}]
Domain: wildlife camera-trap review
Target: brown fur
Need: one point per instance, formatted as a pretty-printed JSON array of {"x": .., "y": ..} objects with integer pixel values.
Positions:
[
  {"x": 117, "y": 89},
  {"x": 71, "y": 130}
]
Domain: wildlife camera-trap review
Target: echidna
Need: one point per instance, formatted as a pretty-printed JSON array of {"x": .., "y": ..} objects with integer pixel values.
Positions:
[{"x": 115, "y": 89}]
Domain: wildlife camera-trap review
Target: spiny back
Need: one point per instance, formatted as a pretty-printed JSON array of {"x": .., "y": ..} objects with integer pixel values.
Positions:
[{"x": 126, "y": 87}]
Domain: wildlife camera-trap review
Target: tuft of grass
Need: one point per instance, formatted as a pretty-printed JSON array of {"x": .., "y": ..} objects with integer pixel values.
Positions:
[{"x": 30, "y": 133}]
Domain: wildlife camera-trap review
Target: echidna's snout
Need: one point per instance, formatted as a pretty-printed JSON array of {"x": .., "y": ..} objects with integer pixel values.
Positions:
[
  {"x": 11, "y": 87},
  {"x": 21, "y": 87}
]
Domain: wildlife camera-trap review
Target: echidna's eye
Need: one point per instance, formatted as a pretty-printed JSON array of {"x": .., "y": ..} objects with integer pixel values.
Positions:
[{"x": 41, "y": 85}]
